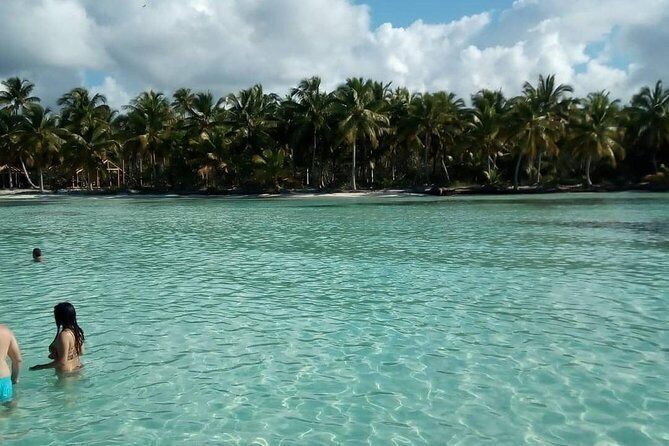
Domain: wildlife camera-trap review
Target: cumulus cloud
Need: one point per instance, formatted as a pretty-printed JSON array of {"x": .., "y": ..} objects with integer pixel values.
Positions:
[
  {"x": 225, "y": 45},
  {"x": 116, "y": 95}
]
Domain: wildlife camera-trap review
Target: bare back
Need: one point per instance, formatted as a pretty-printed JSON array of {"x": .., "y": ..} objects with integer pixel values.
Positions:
[
  {"x": 9, "y": 348},
  {"x": 66, "y": 347}
]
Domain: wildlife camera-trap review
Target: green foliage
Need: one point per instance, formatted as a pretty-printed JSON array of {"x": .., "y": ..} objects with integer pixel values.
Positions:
[
  {"x": 595, "y": 133},
  {"x": 493, "y": 177},
  {"x": 271, "y": 167},
  {"x": 362, "y": 133}
]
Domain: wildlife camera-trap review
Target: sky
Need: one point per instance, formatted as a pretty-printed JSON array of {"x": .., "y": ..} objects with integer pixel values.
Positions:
[
  {"x": 122, "y": 47},
  {"x": 405, "y": 12}
]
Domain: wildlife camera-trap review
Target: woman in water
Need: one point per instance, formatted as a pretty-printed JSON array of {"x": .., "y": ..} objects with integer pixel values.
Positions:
[{"x": 68, "y": 345}]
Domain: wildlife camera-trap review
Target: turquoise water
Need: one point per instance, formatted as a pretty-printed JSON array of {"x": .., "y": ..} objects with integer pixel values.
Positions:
[{"x": 383, "y": 321}]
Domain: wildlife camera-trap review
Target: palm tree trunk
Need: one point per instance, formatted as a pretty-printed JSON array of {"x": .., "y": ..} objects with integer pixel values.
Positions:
[
  {"x": 443, "y": 165},
  {"x": 515, "y": 175},
  {"x": 539, "y": 168},
  {"x": 428, "y": 141},
  {"x": 322, "y": 174},
  {"x": 11, "y": 181},
  {"x": 587, "y": 171},
  {"x": 363, "y": 167},
  {"x": 353, "y": 169},
  {"x": 313, "y": 156},
  {"x": 25, "y": 172},
  {"x": 41, "y": 181},
  {"x": 153, "y": 163}
]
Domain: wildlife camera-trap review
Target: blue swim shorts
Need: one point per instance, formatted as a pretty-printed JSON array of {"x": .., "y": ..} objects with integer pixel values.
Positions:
[{"x": 6, "y": 390}]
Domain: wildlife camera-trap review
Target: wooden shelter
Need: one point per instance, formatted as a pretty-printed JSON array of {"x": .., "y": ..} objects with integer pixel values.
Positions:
[
  {"x": 12, "y": 174},
  {"x": 110, "y": 167}
]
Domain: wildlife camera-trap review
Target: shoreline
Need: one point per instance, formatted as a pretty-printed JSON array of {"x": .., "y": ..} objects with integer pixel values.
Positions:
[{"x": 426, "y": 191}]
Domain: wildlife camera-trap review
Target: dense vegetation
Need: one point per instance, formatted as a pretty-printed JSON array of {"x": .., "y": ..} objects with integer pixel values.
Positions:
[{"x": 363, "y": 134}]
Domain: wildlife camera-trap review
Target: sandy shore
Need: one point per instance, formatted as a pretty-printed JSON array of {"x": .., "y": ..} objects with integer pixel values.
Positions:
[{"x": 306, "y": 193}]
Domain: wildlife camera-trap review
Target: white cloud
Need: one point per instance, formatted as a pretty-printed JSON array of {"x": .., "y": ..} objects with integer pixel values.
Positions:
[
  {"x": 48, "y": 33},
  {"x": 224, "y": 45},
  {"x": 116, "y": 96},
  {"x": 598, "y": 77}
]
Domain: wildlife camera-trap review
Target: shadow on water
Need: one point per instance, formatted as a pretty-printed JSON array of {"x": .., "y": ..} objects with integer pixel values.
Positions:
[
  {"x": 534, "y": 201},
  {"x": 652, "y": 227},
  {"x": 25, "y": 203}
]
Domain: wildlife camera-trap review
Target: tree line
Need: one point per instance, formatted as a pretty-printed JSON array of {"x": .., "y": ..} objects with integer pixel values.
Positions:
[{"x": 364, "y": 134}]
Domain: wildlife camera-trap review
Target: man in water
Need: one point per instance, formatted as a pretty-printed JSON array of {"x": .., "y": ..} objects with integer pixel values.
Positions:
[
  {"x": 8, "y": 348},
  {"x": 37, "y": 255}
]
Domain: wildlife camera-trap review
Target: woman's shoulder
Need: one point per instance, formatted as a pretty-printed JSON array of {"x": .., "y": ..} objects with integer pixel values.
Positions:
[{"x": 66, "y": 334}]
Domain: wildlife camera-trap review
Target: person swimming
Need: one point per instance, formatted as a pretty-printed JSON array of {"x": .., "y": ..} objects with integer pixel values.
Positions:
[
  {"x": 68, "y": 345},
  {"x": 8, "y": 378},
  {"x": 37, "y": 255}
]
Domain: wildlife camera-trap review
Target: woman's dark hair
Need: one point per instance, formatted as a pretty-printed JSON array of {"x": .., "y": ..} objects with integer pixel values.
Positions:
[
  {"x": 66, "y": 318},
  {"x": 37, "y": 253}
]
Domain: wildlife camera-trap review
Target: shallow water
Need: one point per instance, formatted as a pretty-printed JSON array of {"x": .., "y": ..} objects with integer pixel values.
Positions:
[{"x": 468, "y": 321}]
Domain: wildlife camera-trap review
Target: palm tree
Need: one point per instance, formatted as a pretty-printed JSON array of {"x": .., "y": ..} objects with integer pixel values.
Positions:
[
  {"x": 532, "y": 131},
  {"x": 359, "y": 116},
  {"x": 271, "y": 167},
  {"x": 596, "y": 132},
  {"x": 88, "y": 121},
  {"x": 38, "y": 134},
  {"x": 205, "y": 136},
  {"x": 80, "y": 111},
  {"x": 548, "y": 101},
  {"x": 432, "y": 114},
  {"x": 401, "y": 134},
  {"x": 203, "y": 113},
  {"x": 183, "y": 101},
  {"x": 5, "y": 146},
  {"x": 90, "y": 148},
  {"x": 17, "y": 94},
  {"x": 15, "y": 98},
  {"x": 209, "y": 156},
  {"x": 251, "y": 117},
  {"x": 487, "y": 125},
  {"x": 650, "y": 115},
  {"x": 148, "y": 124},
  {"x": 312, "y": 107},
  {"x": 195, "y": 139}
]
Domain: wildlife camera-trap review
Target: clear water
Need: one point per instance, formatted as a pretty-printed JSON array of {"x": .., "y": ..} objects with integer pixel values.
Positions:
[{"x": 384, "y": 321}]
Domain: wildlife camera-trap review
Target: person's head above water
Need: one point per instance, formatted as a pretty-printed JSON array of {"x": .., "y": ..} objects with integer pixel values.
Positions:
[
  {"x": 37, "y": 254},
  {"x": 66, "y": 318}
]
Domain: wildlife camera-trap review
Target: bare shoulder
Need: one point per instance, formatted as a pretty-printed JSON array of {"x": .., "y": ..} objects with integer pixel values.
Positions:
[
  {"x": 66, "y": 334},
  {"x": 6, "y": 334}
]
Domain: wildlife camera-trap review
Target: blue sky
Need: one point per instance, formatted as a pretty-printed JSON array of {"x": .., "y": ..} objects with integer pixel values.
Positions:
[{"x": 404, "y": 12}]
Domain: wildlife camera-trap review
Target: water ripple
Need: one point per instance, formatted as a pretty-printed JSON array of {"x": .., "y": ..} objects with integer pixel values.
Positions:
[{"x": 395, "y": 321}]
